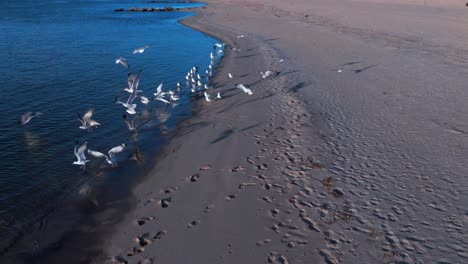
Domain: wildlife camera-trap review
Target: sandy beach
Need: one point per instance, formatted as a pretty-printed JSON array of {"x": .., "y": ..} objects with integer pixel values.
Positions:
[{"x": 354, "y": 151}]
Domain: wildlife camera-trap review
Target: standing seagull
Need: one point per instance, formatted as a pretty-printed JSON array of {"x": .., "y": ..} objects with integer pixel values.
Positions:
[
  {"x": 141, "y": 49},
  {"x": 230, "y": 75},
  {"x": 86, "y": 121},
  {"x": 207, "y": 97},
  {"x": 26, "y": 117},
  {"x": 244, "y": 88},
  {"x": 79, "y": 151},
  {"x": 268, "y": 73},
  {"x": 122, "y": 61}
]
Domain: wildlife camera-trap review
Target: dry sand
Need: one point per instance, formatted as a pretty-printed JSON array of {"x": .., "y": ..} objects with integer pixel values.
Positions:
[{"x": 355, "y": 152}]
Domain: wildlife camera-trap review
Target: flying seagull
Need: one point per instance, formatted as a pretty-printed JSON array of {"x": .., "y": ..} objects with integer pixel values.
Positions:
[
  {"x": 141, "y": 49},
  {"x": 244, "y": 89},
  {"x": 86, "y": 121},
  {"x": 122, "y": 61},
  {"x": 133, "y": 82},
  {"x": 110, "y": 158},
  {"x": 26, "y": 117},
  {"x": 79, "y": 151}
]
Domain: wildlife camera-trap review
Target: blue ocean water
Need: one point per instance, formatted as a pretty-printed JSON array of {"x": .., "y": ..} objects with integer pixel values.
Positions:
[{"x": 58, "y": 58}]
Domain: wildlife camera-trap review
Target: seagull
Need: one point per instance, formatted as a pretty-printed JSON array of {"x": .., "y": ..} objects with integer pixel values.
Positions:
[
  {"x": 159, "y": 91},
  {"x": 199, "y": 84},
  {"x": 144, "y": 99},
  {"x": 207, "y": 97},
  {"x": 268, "y": 74},
  {"x": 129, "y": 103},
  {"x": 244, "y": 89},
  {"x": 240, "y": 36},
  {"x": 212, "y": 56},
  {"x": 26, "y": 117},
  {"x": 79, "y": 151},
  {"x": 130, "y": 123},
  {"x": 110, "y": 158},
  {"x": 230, "y": 75},
  {"x": 218, "y": 96},
  {"x": 141, "y": 49},
  {"x": 86, "y": 121},
  {"x": 173, "y": 96},
  {"x": 133, "y": 82},
  {"x": 159, "y": 94},
  {"x": 122, "y": 61}
]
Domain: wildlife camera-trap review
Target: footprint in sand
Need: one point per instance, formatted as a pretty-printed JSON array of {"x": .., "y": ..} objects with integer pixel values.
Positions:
[
  {"x": 143, "y": 240},
  {"x": 230, "y": 197},
  {"x": 238, "y": 169},
  {"x": 274, "y": 212},
  {"x": 119, "y": 260},
  {"x": 165, "y": 202},
  {"x": 160, "y": 234},
  {"x": 145, "y": 260},
  {"x": 208, "y": 208},
  {"x": 205, "y": 167},
  {"x": 144, "y": 219},
  {"x": 170, "y": 189},
  {"x": 277, "y": 259},
  {"x": 246, "y": 184},
  {"x": 263, "y": 242},
  {"x": 134, "y": 251},
  {"x": 193, "y": 223},
  {"x": 194, "y": 177}
]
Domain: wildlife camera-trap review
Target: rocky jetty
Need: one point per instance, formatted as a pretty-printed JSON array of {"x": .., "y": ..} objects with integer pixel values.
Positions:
[{"x": 147, "y": 9}]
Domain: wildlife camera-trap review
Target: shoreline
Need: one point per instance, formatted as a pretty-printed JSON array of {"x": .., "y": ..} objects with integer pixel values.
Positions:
[{"x": 51, "y": 233}]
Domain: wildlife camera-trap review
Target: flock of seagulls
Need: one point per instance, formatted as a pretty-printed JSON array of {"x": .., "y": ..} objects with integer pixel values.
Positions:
[{"x": 197, "y": 86}]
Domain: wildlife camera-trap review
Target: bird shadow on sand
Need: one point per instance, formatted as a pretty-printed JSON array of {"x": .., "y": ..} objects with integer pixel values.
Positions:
[
  {"x": 287, "y": 72},
  {"x": 229, "y": 132},
  {"x": 298, "y": 86},
  {"x": 246, "y": 102},
  {"x": 271, "y": 39},
  {"x": 248, "y": 56},
  {"x": 250, "y": 49},
  {"x": 363, "y": 69}
]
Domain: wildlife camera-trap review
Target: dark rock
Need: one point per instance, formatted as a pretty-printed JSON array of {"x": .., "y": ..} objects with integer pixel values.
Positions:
[{"x": 119, "y": 10}]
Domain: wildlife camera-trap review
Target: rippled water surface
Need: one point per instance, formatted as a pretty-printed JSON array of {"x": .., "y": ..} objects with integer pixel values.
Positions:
[{"x": 58, "y": 58}]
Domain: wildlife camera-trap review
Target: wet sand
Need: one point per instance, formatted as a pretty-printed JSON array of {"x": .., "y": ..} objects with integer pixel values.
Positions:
[{"x": 354, "y": 152}]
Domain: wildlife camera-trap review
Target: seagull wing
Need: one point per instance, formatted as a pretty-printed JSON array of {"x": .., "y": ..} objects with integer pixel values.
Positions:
[
  {"x": 87, "y": 116},
  {"x": 25, "y": 118},
  {"x": 80, "y": 151},
  {"x": 97, "y": 154},
  {"x": 83, "y": 123},
  {"x": 136, "y": 81},
  {"x": 115, "y": 150},
  {"x": 130, "y": 80},
  {"x": 159, "y": 88}
]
